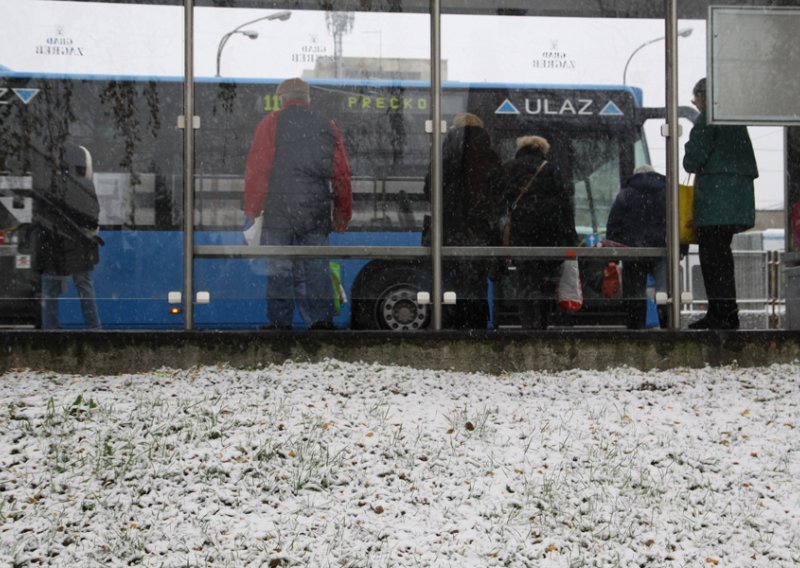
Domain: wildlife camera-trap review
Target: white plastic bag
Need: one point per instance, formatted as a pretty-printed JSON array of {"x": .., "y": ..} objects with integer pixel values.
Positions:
[
  {"x": 252, "y": 235},
  {"x": 570, "y": 294}
]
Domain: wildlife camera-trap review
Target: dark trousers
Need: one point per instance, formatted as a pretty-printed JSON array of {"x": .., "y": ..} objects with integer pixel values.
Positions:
[
  {"x": 634, "y": 290},
  {"x": 538, "y": 281},
  {"x": 716, "y": 264},
  {"x": 468, "y": 280},
  {"x": 301, "y": 283}
]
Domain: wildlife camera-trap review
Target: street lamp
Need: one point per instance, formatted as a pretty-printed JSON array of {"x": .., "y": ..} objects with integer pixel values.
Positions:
[
  {"x": 283, "y": 16},
  {"x": 686, "y": 32}
]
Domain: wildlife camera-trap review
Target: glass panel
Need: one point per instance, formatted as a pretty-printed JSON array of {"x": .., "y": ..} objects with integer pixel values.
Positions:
[
  {"x": 257, "y": 153},
  {"x": 567, "y": 93},
  {"x": 735, "y": 212},
  {"x": 90, "y": 154}
]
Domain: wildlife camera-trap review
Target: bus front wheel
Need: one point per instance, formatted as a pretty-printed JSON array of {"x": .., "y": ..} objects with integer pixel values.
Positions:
[
  {"x": 398, "y": 309},
  {"x": 391, "y": 303}
]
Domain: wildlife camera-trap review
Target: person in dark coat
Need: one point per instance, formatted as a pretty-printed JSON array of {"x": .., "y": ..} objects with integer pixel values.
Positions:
[
  {"x": 297, "y": 186},
  {"x": 724, "y": 164},
  {"x": 65, "y": 219},
  {"x": 638, "y": 218},
  {"x": 469, "y": 218},
  {"x": 543, "y": 217}
]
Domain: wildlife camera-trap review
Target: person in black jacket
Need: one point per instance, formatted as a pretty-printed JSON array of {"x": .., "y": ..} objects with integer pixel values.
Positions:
[
  {"x": 542, "y": 216},
  {"x": 638, "y": 218},
  {"x": 65, "y": 219},
  {"x": 469, "y": 218}
]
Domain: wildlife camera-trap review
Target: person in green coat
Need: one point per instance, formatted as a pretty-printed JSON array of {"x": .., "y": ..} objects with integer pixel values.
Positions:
[{"x": 723, "y": 161}]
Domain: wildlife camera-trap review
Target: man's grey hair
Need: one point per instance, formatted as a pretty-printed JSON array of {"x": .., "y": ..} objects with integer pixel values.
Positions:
[{"x": 643, "y": 169}]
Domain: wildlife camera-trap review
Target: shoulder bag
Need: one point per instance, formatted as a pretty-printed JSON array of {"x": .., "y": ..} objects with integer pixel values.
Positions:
[
  {"x": 687, "y": 234},
  {"x": 506, "y": 221}
]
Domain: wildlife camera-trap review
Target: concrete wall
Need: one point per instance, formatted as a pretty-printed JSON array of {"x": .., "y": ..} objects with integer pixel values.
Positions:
[{"x": 493, "y": 352}]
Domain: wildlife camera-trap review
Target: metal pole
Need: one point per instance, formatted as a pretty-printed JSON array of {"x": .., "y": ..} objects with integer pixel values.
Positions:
[
  {"x": 673, "y": 166},
  {"x": 188, "y": 166},
  {"x": 774, "y": 266},
  {"x": 220, "y": 47},
  {"x": 436, "y": 162}
]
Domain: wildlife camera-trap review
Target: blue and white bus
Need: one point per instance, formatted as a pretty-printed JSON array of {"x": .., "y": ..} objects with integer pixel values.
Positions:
[{"x": 129, "y": 124}]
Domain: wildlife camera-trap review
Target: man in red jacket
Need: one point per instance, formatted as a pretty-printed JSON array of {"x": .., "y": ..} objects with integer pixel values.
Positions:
[{"x": 297, "y": 181}]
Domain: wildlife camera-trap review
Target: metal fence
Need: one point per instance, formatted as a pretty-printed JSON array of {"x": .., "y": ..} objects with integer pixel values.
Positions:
[{"x": 760, "y": 284}]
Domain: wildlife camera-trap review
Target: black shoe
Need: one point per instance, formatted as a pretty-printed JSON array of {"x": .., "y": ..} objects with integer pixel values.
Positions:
[
  {"x": 322, "y": 325},
  {"x": 703, "y": 323},
  {"x": 276, "y": 327},
  {"x": 729, "y": 322}
]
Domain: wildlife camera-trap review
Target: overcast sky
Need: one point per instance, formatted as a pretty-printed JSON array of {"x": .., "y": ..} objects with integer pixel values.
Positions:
[{"x": 137, "y": 40}]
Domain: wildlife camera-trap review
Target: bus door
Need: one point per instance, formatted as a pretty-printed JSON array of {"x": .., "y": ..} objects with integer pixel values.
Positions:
[{"x": 593, "y": 153}]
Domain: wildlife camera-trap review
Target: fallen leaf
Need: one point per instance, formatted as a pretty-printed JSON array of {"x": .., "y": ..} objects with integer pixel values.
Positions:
[
  {"x": 551, "y": 548},
  {"x": 713, "y": 561}
]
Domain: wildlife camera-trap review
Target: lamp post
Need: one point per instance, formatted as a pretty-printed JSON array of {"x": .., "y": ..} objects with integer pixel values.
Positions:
[
  {"x": 283, "y": 16},
  {"x": 686, "y": 32}
]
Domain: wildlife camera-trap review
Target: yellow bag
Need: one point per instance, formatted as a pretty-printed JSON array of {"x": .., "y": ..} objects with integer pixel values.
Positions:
[{"x": 687, "y": 234}]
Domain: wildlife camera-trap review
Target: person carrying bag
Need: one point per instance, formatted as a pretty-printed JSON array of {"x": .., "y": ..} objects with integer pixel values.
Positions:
[
  {"x": 540, "y": 210},
  {"x": 506, "y": 220}
]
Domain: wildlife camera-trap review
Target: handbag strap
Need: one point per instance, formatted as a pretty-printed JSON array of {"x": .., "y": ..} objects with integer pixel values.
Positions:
[{"x": 528, "y": 185}]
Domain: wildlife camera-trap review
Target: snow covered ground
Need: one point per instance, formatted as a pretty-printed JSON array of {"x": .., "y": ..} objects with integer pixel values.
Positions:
[{"x": 340, "y": 464}]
